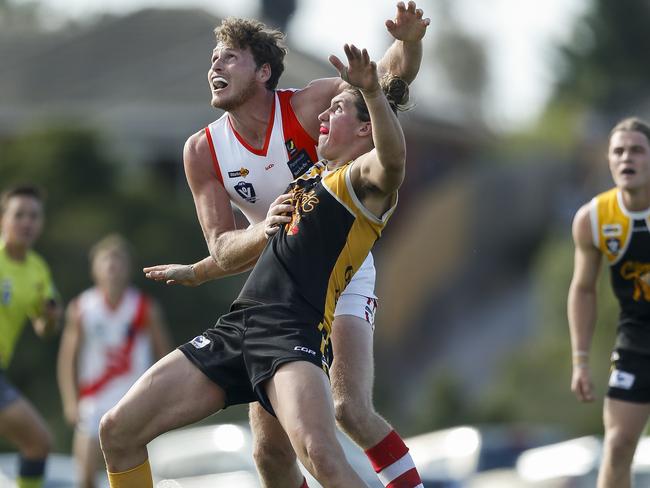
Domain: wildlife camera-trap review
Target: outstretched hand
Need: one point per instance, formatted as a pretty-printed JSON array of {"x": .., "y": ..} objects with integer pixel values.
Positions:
[
  {"x": 360, "y": 72},
  {"x": 408, "y": 26},
  {"x": 173, "y": 274}
]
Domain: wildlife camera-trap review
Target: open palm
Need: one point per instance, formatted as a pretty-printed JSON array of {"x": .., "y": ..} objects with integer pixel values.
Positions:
[
  {"x": 408, "y": 26},
  {"x": 360, "y": 72}
]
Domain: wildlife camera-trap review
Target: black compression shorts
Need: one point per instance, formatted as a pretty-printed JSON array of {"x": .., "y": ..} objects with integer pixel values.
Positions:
[
  {"x": 629, "y": 378},
  {"x": 248, "y": 344}
]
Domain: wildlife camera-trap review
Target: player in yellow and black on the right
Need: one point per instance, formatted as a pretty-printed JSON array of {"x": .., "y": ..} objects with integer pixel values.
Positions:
[{"x": 616, "y": 225}]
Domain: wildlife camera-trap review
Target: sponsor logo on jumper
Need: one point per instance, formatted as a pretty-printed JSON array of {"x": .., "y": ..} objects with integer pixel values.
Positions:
[
  {"x": 304, "y": 349},
  {"x": 200, "y": 341},
  {"x": 640, "y": 274},
  {"x": 246, "y": 191},
  {"x": 269, "y": 166},
  {"x": 291, "y": 147},
  {"x": 613, "y": 245},
  {"x": 240, "y": 173},
  {"x": 621, "y": 379},
  {"x": 299, "y": 163},
  {"x": 6, "y": 292},
  {"x": 612, "y": 230},
  {"x": 304, "y": 202}
]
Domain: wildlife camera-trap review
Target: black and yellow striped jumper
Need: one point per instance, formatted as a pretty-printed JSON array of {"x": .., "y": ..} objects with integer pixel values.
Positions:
[{"x": 286, "y": 307}]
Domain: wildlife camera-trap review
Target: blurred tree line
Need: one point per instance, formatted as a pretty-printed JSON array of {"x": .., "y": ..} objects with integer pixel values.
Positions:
[
  {"x": 88, "y": 196},
  {"x": 601, "y": 78}
]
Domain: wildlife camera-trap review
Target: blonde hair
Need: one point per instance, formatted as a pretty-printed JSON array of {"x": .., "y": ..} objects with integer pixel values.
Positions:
[
  {"x": 112, "y": 242},
  {"x": 632, "y": 124}
]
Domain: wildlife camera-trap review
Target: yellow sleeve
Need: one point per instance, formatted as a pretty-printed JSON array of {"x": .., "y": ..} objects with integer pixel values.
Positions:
[{"x": 47, "y": 289}]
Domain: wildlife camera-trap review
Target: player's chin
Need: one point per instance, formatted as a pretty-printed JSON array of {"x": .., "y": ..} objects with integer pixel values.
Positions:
[
  {"x": 323, "y": 147},
  {"x": 218, "y": 101},
  {"x": 629, "y": 185},
  {"x": 325, "y": 153},
  {"x": 26, "y": 240}
]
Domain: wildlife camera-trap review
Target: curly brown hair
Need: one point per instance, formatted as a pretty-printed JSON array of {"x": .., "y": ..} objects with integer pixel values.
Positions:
[
  {"x": 396, "y": 91},
  {"x": 266, "y": 45}
]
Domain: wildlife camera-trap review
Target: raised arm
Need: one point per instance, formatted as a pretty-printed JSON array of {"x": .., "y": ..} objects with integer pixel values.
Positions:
[
  {"x": 404, "y": 56},
  {"x": 382, "y": 169},
  {"x": 581, "y": 305},
  {"x": 402, "y": 59}
]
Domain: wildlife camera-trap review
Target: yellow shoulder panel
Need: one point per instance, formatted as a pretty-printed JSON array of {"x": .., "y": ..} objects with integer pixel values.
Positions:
[{"x": 611, "y": 228}]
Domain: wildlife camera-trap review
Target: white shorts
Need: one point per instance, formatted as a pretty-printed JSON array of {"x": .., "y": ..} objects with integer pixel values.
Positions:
[
  {"x": 93, "y": 407},
  {"x": 358, "y": 298}
]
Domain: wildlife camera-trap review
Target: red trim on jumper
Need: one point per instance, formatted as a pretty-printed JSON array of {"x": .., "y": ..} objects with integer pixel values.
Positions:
[
  {"x": 119, "y": 360},
  {"x": 267, "y": 138},
  {"x": 215, "y": 161},
  {"x": 292, "y": 127},
  {"x": 390, "y": 449},
  {"x": 408, "y": 479},
  {"x": 304, "y": 483}
]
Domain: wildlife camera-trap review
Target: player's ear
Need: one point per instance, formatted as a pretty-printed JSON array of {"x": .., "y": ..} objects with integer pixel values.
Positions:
[
  {"x": 365, "y": 129},
  {"x": 264, "y": 72}
]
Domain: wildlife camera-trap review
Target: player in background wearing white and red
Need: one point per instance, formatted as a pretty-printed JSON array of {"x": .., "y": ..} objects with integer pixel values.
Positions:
[{"x": 113, "y": 333}]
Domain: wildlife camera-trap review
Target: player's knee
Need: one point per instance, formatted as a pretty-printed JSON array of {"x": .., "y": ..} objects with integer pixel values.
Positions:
[
  {"x": 38, "y": 450},
  {"x": 45, "y": 444},
  {"x": 321, "y": 455},
  {"x": 112, "y": 432},
  {"x": 270, "y": 455},
  {"x": 352, "y": 413},
  {"x": 620, "y": 446},
  {"x": 39, "y": 445}
]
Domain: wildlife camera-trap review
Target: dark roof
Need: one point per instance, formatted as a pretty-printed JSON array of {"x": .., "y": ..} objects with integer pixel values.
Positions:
[{"x": 141, "y": 78}]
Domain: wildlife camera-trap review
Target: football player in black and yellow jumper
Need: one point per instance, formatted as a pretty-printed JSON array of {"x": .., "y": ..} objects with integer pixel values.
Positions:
[
  {"x": 616, "y": 225},
  {"x": 273, "y": 347}
]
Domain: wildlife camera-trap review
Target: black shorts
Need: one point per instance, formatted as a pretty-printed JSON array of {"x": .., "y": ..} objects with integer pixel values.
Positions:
[
  {"x": 8, "y": 394},
  {"x": 248, "y": 344},
  {"x": 629, "y": 378}
]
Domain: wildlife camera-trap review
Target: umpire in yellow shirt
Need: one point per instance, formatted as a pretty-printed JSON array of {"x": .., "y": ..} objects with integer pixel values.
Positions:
[{"x": 26, "y": 292}]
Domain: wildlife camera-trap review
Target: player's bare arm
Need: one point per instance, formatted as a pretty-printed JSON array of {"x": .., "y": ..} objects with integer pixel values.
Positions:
[
  {"x": 581, "y": 307},
  {"x": 161, "y": 344},
  {"x": 402, "y": 59},
  {"x": 207, "y": 269},
  {"x": 382, "y": 168},
  {"x": 48, "y": 322},
  {"x": 67, "y": 361},
  {"x": 232, "y": 251},
  {"x": 404, "y": 56}
]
